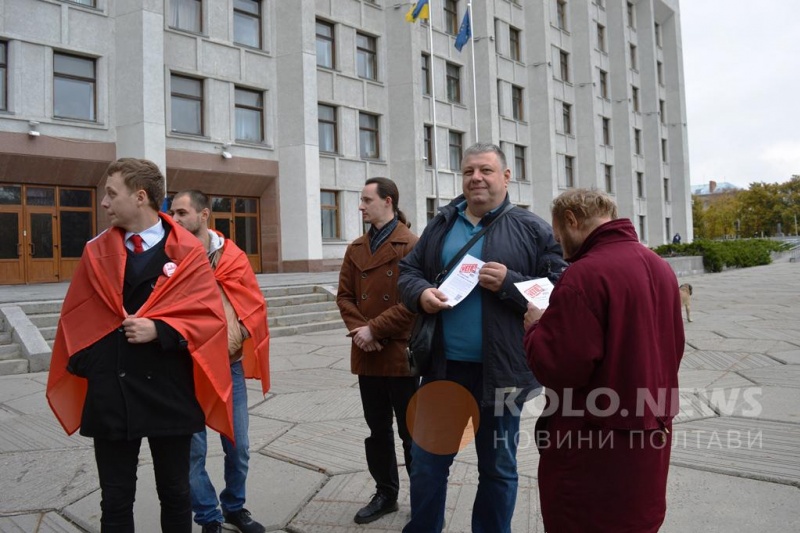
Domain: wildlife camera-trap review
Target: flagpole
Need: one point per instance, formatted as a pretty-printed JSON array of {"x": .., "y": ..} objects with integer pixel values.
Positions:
[
  {"x": 435, "y": 162},
  {"x": 474, "y": 84}
]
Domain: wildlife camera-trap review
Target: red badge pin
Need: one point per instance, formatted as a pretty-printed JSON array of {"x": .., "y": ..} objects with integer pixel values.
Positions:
[{"x": 169, "y": 269}]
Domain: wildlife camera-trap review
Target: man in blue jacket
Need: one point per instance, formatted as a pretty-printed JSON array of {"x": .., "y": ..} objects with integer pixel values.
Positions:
[{"x": 479, "y": 372}]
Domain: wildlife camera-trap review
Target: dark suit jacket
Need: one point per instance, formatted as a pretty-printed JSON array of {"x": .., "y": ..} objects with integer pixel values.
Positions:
[{"x": 139, "y": 390}]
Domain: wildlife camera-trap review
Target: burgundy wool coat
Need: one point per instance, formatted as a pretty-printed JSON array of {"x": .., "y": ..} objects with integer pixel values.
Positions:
[
  {"x": 608, "y": 346},
  {"x": 368, "y": 295}
]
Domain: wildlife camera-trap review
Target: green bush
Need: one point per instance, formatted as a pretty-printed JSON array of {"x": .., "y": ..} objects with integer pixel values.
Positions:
[{"x": 719, "y": 254}]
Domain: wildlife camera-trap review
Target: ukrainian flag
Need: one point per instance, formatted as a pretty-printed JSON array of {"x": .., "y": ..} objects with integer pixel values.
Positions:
[{"x": 418, "y": 11}]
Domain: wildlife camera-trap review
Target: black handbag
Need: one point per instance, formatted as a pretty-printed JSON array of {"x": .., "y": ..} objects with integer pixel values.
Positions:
[{"x": 420, "y": 344}]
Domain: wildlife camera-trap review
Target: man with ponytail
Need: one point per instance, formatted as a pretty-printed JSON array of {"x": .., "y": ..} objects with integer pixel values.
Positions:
[{"x": 379, "y": 324}]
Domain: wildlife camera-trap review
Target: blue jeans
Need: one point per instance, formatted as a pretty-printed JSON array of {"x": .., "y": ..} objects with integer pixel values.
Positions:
[
  {"x": 496, "y": 446},
  {"x": 204, "y": 497}
]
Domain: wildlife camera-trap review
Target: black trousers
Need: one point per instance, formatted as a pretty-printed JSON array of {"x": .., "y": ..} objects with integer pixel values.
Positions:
[
  {"x": 117, "y": 461},
  {"x": 383, "y": 399}
]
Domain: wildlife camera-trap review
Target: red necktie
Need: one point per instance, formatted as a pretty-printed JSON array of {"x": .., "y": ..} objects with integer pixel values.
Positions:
[{"x": 137, "y": 243}]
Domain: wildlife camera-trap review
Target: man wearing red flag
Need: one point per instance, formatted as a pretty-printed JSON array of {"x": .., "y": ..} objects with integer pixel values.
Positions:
[
  {"x": 248, "y": 354},
  {"x": 136, "y": 349}
]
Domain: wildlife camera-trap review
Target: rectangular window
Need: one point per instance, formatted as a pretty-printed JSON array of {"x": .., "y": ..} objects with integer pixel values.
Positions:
[
  {"x": 519, "y": 163},
  {"x": 609, "y": 176},
  {"x": 657, "y": 29},
  {"x": 660, "y": 72},
  {"x": 326, "y": 117},
  {"x": 430, "y": 208},
  {"x": 566, "y": 117},
  {"x": 329, "y": 211},
  {"x": 428, "y": 145},
  {"x": 74, "y": 82},
  {"x": 451, "y": 17},
  {"x": 186, "y": 15},
  {"x": 606, "y": 131},
  {"x": 514, "y": 44},
  {"x": 187, "y": 105},
  {"x": 662, "y": 111},
  {"x": 601, "y": 37},
  {"x": 89, "y": 3},
  {"x": 668, "y": 226},
  {"x": 666, "y": 190},
  {"x": 369, "y": 136},
  {"x": 249, "y": 115},
  {"x": 640, "y": 184},
  {"x": 3, "y": 75},
  {"x": 569, "y": 170},
  {"x": 455, "y": 150},
  {"x": 635, "y": 98},
  {"x": 247, "y": 23},
  {"x": 426, "y": 74},
  {"x": 564, "y": 60},
  {"x": 631, "y": 16},
  {"x": 664, "y": 147},
  {"x": 637, "y": 141},
  {"x": 634, "y": 61},
  {"x": 453, "y": 83},
  {"x": 500, "y": 98},
  {"x": 642, "y": 226},
  {"x": 603, "y": 84},
  {"x": 561, "y": 14},
  {"x": 517, "y": 103},
  {"x": 326, "y": 45},
  {"x": 367, "y": 52}
]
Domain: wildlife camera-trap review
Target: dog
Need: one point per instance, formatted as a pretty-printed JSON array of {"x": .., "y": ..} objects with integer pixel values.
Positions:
[{"x": 686, "y": 299}]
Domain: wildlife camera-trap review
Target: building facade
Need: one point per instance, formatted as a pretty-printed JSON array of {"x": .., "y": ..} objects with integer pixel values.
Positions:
[{"x": 280, "y": 110}]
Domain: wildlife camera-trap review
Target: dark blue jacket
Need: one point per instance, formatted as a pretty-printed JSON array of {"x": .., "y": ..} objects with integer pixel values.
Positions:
[{"x": 521, "y": 241}]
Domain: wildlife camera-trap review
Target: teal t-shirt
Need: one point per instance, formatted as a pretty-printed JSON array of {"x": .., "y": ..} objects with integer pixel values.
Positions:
[{"x": 462, "y": 325}]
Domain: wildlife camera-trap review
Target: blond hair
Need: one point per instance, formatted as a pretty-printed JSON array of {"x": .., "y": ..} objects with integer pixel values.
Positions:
[{"x": 585, "y": 204}]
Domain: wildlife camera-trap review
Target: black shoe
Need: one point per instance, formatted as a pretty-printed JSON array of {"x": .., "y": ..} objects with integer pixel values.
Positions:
[
  {"x": 213, "y": 527},
  {"x": 241, "y": 521},
  {"x": 376, "y": 508}
]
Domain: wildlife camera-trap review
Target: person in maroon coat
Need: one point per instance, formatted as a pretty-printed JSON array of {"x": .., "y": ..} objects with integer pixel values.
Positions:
[{"x": 607, "y": 348}]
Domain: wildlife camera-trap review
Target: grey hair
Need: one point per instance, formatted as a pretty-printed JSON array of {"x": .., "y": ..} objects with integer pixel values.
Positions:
[{"x": 483, "y": 148}]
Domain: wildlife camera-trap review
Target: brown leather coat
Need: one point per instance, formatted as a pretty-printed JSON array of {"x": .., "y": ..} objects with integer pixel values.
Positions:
[{"x": 368, "y": 295}]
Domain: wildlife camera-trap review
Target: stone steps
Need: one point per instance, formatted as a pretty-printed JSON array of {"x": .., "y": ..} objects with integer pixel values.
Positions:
[
  {"x": 291, "y": 310},
  {"x": 11, "y": 359}
]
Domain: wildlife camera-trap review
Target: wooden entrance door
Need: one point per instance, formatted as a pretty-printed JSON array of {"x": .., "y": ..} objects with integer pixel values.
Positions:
[
  {"x": 41, "y": 263},
  {"x": 12, "y": 262}
]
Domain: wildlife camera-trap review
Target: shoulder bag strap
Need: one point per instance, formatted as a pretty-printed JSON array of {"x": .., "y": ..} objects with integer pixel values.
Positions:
[{"x": 464, "y": 249}]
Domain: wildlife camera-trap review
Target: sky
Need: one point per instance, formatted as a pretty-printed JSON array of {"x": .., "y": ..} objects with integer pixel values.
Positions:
[{"x": 741, "y": 61}]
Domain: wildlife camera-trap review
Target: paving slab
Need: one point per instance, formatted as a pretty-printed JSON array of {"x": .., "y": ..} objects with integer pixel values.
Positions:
[
  {"x": 721, "y": 360},
  {"x": 711, "y": 379},
  {"x": 312, "y": 406},
  {"x": 300, "y": 362},
  {"x": 783, "y": 376},
  {"x": 333, "y": 447},
  {"x": 693, "y": 407},
  {"x": 37, "y": 432},
  {"x": 333, "y": 508},
  {"x": 741, "y": 345},
  {"x": 698, "y": 500},
  {"x": 40, "y": 480},
  {"x": 30, "y": 404},
  {"x": 310, "y": 380},
  {"x": 744, "y": 447},
  {"x": 272, "y": 500},
  {"x": 791, "y": 357},
  {"x": 18, "y": 386},
  {"x": 768, "y": 403},
  {"x": 36, "y": 523}
]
